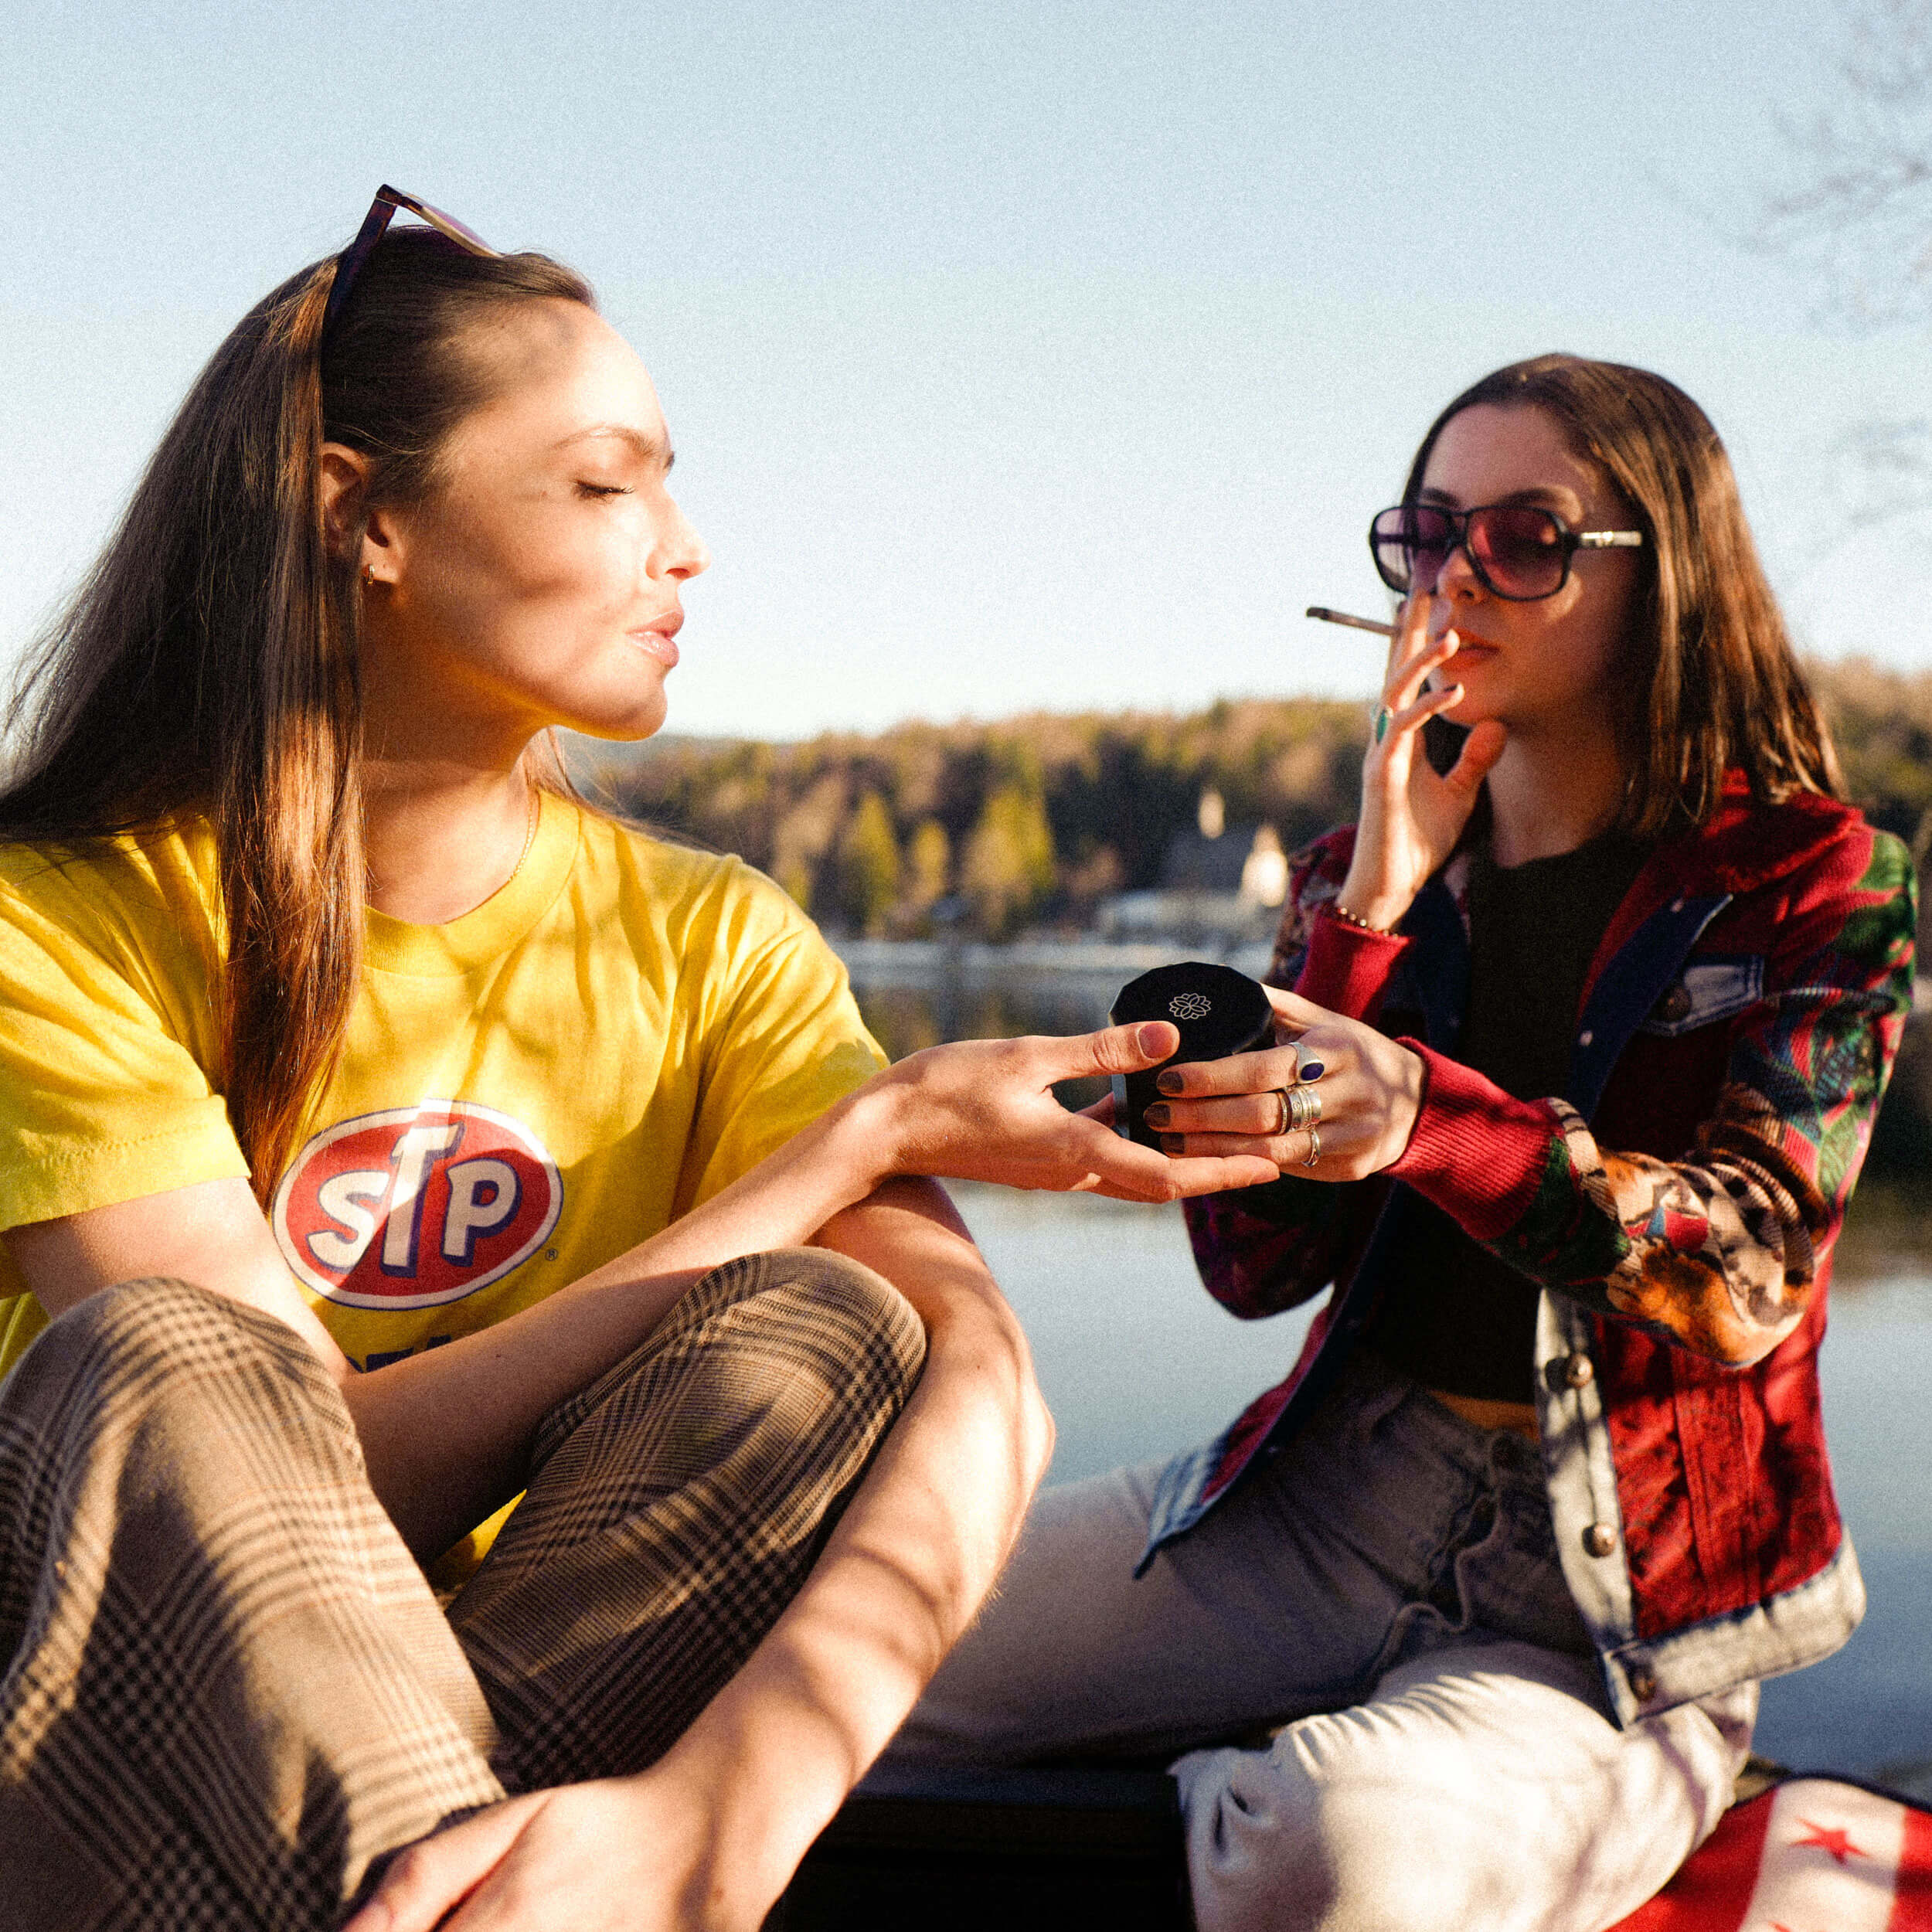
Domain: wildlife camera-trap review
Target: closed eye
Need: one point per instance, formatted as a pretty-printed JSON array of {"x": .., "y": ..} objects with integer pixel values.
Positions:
[{"x": 604, "y": 489}]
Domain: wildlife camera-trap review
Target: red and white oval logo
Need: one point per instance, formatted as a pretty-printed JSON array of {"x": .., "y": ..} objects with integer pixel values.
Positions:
[{"x": 415, "y": 1206}]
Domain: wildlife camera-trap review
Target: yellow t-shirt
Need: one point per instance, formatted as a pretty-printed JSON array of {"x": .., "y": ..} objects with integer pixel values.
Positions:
[{"x": 523, "y": 1093}]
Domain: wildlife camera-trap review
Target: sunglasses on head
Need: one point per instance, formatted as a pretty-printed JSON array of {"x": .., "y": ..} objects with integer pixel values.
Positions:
[
  {"x": 1518, "y": 551},
  {"x": 382, "y": 211}
]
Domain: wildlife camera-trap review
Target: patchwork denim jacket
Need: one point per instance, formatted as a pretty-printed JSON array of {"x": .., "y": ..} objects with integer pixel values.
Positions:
[{"x": 1677, "y": 1204}]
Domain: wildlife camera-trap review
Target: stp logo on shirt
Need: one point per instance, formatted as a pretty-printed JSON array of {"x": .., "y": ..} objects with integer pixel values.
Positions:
[{"x": 415, "y": 1206}]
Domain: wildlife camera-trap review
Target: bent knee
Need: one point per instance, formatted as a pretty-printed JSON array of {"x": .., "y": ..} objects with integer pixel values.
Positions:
[
  {"x": 850, "y": 1309},
  {"x": 864, "y": 1299},
  {"x": 147, "y": 1321},
  {"x": 1272, "y": 1845},
  {"x": 144, "y": 1346}
]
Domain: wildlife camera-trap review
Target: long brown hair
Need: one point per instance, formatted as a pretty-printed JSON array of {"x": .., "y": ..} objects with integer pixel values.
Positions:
[
  {"x": 1715, "y": 685},
  {"x": 207, "y": 663}
]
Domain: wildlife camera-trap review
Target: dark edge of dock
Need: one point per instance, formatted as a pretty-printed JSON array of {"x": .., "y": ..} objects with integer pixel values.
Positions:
[{"x": 942, "y": 1849}]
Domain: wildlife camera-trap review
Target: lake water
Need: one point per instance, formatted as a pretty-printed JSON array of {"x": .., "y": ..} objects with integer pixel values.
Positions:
[{"x": 1137, "y": 1361}]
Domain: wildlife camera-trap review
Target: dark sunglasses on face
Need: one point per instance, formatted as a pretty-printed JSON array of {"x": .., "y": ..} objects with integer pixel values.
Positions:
[
  {"x": 1518, "y": 551},
  {"x": 382, "y": 211}
]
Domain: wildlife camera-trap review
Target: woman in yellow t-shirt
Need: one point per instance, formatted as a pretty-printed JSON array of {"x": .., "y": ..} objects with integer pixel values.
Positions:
[{"x": 382, "y": 1132}]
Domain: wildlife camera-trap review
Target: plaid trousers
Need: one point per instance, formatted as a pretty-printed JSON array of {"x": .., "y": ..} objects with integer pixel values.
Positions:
[{"x": 230, "y": 1691}]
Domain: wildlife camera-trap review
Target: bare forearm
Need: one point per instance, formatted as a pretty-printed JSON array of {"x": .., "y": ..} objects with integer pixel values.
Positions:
[
  {"x": 982, "y": 1108},
  {"x": 952, "y": 1484},
  {"x": 446, "y": 1432},
  {"x": 775, "y": 1753}
]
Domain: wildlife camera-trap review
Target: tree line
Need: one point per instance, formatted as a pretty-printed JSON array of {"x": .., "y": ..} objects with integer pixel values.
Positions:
[{"x": 1031, "y": 821}]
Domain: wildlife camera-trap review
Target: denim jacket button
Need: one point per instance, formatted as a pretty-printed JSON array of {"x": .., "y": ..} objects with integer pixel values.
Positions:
[
  {"x": 1600, "y": 1540},
  {"x": 1578, "y": 1370},
  {"x": 1675, "y": 1005},
  {"x": 1643, "y": 1683}
]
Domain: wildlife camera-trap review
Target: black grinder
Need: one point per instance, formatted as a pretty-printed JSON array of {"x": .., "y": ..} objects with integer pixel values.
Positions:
[{"x": 1219, "y": 1011}]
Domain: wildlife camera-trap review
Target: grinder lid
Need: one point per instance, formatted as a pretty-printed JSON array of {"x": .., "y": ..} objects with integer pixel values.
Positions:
[{"x": 1219, "y": 1011}]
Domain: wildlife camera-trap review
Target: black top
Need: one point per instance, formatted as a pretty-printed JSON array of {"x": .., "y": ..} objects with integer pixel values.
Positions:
[{"x": 1457, "y": 1318}]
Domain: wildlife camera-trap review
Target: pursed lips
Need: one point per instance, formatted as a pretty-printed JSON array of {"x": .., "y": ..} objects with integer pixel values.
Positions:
[
  {"x": 1470, "y": 649},
  {"x": 660, "y": 636}
]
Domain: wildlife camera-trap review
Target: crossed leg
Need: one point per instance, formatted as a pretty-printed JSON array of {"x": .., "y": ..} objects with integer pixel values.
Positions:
[{"x": 230, "y": 1691}]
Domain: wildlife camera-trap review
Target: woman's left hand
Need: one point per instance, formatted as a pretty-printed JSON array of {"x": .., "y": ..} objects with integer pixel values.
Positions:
[
  {"x": 1369, "y": 1088},
  {"x": 984, "y": 1110}
]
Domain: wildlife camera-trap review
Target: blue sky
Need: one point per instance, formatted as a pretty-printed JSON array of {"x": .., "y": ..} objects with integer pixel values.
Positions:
[{"x": 1019, "y": 356}]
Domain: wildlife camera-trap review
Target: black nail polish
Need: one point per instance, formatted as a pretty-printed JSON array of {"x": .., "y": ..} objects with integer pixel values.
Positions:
[
  {"x": 1169, "y": 1083},
  {"x": 1173, "y": 1144},
  {"x": 1156, "y": 1116}
]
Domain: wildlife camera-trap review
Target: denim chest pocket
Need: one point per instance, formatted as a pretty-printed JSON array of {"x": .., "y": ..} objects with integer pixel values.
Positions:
[{"x": 1707, "y": 991}]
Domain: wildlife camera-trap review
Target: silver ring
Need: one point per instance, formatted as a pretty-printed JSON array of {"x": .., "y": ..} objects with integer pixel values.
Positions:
[
  {"x": 1304, "y": 1108},
  {"x": 1314, "y": 1146},
  {"x": 1287, "y": 1100},
  {"x": 1307, "y": 1071}
]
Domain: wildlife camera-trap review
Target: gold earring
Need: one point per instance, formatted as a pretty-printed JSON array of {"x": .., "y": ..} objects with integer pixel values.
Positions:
[{"x": 369, "y": 573}]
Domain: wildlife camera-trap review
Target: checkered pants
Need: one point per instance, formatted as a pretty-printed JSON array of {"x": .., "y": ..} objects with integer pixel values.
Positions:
[{"x": 231, "y": 1691}]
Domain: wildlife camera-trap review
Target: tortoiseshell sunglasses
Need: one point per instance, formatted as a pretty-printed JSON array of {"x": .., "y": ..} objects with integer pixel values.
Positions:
[{"x": 382, "y": 211}]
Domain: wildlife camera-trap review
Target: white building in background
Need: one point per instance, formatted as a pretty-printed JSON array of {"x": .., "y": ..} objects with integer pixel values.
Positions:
[
  {"x": 1264, "y": 872},
  {"x": 1221, "y": 884}
]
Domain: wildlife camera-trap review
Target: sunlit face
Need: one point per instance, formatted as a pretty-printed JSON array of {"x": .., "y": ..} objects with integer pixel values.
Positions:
[
  {"x": 1553, "y": 664},
  {"x": 540, "y": 583}
]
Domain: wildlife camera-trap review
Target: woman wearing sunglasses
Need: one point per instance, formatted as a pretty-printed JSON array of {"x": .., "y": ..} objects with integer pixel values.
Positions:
[
  {"x": 1583, "y": 1026},
  {"x": 389, "y": 1133}
]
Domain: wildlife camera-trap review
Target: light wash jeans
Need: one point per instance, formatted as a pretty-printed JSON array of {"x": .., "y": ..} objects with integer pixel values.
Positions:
[{"x": 1383, "y": 1597}]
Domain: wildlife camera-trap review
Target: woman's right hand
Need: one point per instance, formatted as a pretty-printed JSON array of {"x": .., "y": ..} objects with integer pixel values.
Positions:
[
  {"x": 984, "y": 1110},
  {"x": 1412, "y": 815}
]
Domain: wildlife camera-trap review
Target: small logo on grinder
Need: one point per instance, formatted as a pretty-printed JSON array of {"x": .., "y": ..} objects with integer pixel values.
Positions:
[{"x": 1190, "y": 1006}]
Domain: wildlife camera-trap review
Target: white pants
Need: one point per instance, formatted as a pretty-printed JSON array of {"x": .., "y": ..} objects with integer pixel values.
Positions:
[{"x": 1376, "y": 1620}]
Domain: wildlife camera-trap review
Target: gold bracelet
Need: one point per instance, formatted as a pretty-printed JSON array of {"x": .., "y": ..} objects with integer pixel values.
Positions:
[{"x": 1356, "y": 920}]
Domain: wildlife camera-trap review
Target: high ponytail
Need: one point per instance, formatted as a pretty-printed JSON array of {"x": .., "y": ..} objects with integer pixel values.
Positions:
[{"x": 208, "y": 662}]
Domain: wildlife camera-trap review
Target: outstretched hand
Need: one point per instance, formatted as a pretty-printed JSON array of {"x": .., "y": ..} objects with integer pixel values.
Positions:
[
  {"x": 984, "y": 1110},
  {"x": 1411, "y": 814}
]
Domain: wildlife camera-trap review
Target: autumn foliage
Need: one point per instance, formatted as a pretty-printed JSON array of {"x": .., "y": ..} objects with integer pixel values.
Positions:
[{"x": 1032, "y": 821}]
